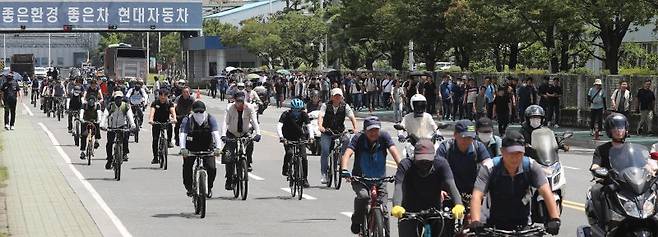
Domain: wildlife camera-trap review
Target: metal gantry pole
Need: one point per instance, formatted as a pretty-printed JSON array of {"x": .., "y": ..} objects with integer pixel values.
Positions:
[
  {"x": 148, "y": 55},
  {"x": 49, "y": 50}
]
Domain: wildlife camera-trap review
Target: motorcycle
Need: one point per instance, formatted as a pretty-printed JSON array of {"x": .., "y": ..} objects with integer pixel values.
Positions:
[
  {"x": 629, "y": 196},
  {"x": 314, "y": 147},
  {"x": 545, "y": 146},
  {"x": 411, "y": 140}
]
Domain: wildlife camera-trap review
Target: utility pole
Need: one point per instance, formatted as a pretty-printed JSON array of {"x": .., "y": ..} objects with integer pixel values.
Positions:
[
  {"x": 412, "y": 63},
  {"x": 49, "y": 50},
  {"x": 148, "y": 55}
]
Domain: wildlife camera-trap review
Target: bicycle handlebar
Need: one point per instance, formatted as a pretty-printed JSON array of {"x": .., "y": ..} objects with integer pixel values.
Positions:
[
  {"x": 300, "y": 142},
  {"x": 242, "y": 139},
  {"x": 201, "y": 153},
  {"x": 530, "y": 231},
  {"x": 425, "y": 214},
  {"x": 160, "y": 123},
  {"x": 389, "y": 179}
]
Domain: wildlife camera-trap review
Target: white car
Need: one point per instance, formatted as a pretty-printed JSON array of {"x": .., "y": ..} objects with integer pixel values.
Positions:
[
  {"x": 443, "y": 65},
  {"x": 40, "y": 72}
]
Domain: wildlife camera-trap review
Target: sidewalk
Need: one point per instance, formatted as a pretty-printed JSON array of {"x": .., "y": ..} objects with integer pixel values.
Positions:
[{"x": 40, "y": 202}]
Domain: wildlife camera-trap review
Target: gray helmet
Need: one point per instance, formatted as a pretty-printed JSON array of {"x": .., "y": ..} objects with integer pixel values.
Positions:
[{"x": 534, "y": 110}]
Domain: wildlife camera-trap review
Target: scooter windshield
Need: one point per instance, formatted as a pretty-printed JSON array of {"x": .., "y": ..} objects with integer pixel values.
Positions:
[
  {"x": 545, "y": 145},
  {"x": 630, "y": 164}
]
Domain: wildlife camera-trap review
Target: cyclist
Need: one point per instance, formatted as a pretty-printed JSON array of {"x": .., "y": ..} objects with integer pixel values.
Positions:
[
  {"x": 251, "y": 95},
  {"x": 314, "y": 102},
  {"x": 485, "y": 134},
  {"x": 508, "y": 184},
  {"x": 332, "y": 120},
  {"x": 116, "y": 114},
  {"x": 419, "y": 182},
  {"x": 183, "y": 107},
  {"x": 177, "y": 90},
  {"x": 137, "y": 96},
  {"x": 46, "y": 95},
  {"x": 59, "y": 93},
  {"x": 93, "y": 91},
  {"x": 162, "y": 111},
  {"x": 291, "y": 127},
  {"x": 239, "y": 120},
  {"x": 90, "y": 113},
  {"x": 74, "y": 103},
  {"x": 419, "y": 124},
  {"x": 370, "y": 148},
  {"x": 200, "y": 132},
  {"x": 464, "y": 154},
  {"x": 35, "y": 88}
]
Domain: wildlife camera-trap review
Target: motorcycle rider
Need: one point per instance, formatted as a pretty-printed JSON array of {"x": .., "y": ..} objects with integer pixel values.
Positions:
[
  {"x": 116, "y": 114},
  {"x": 291, "y": 128},
  {"x": 199, "y": 132},
  {"x": 90, "y": 113},
  {"x": 162, "y": 111},
  {"x": 183, "y": 106},
  {"x": 419, "y": 124},
  {"x": 485, "y": 133},
  {"x": 508, "y": 194},
  {"x": 332, "y": 116},
  {"x": 534, "y": 119},
  {"x": 419, "y": 182}
]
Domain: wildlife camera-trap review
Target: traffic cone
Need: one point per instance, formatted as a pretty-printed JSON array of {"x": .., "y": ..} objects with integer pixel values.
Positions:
[{"x": 198, "y": 93}]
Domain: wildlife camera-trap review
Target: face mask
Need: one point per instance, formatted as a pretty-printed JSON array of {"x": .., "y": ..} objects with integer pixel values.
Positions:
[
  {"x": 200, "y": 117},
  {"x": 485, "y": 137},
  {"x": 424, "y": 168},
  {"x": 118, "y": 100},
  {"x": 535, "y": 122}
]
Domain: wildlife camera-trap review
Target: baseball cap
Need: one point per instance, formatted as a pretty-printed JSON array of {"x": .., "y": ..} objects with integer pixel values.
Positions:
[
  {"x": 336, "y": 91},
  {"x": 484, "y": 124},
  {"x": 239, "y": 96},
  {"x": 371, "y": 122},
  {"x": 465, "y": 128},
  {"x": 424, "y": 150},
  {"x": 513, "y": 141},
  {"x": 117, "y": 94}
]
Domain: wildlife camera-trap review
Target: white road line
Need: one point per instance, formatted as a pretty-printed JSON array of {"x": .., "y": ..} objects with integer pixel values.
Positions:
[
  {"x": 571, "y": 168},
  {"x": 305, "y": 196},
  {"x": 347, "y": 214},
  {"x": 117, "y": 223},
  {"x": 253, "y": 176},
  {"x": 28, "y": 110}
]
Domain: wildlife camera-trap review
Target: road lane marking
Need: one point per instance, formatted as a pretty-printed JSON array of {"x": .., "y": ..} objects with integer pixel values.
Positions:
[
  {"x": 573, "y": 203},
  {"x": 28, "y": 110},
  {"x": 571, "y": 168},
  {"x": 115, "y": 220},
  {"x": 347, "y": 214},
  {"x": 253, "y": 176},
  {"x": 574, "y": 207},
  {"x": 305, "y": 196}
]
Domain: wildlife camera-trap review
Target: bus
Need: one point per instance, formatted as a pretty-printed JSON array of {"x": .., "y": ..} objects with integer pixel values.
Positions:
[{"x": 124, "y": 61}]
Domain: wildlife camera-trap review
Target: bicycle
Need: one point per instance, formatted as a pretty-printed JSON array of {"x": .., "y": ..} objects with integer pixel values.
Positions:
[
  {"x": 91, "y": 141},
  {"x": 200, "y": 182},
  {"x": 374, "y": 224},
  {"x": 59, "y": 107},
  {"x": 423, "y": 219},
  {"x": 295, "y": 168},
  {"x": 76, "y": 126},
  {"x": 35, "y": 97},
  {"x": 240, "y": 176},
  {"x": 533, "y": 230},
  {"x": 138, "y": 117},
  {"x": 117, "y": 158},
  {"x": 163, "y": 147},
  {"x": 333, "y": 169}
]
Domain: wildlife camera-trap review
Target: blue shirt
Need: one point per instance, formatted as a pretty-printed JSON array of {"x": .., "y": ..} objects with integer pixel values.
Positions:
[
  {"x": 368, "y": 162},
  {"x": 446, "y": 88},
  {"x": 489, "y": 93}
]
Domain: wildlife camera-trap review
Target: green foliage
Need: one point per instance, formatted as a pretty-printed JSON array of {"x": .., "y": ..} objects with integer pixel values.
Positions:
[
  {"x": 635, "y": 71},
  {"x": 227, "y": 32}
]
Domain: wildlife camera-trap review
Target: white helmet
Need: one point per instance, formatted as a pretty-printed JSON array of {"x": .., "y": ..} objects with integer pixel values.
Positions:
[{"x": 417, "y": 98}]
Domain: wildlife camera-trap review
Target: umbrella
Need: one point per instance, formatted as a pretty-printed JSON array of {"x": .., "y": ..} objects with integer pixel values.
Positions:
[
  {"x": 229, "y": 69},
  {"x": 283, "y": 72},
  {"x": 253, "y": 76}
]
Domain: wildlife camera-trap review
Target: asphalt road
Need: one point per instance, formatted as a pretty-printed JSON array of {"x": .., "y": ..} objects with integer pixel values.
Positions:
[{"x": 152, "y": 202}]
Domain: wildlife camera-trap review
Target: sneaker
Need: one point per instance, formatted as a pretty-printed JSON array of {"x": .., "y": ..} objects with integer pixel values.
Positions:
[
  {"x": 82, "y": 155},
  {"x": 228, "y": 185},
  {"x": 11, "y": 128},
  {"x": 323, "y": 180},
  {"x": 355, "y": 228},
  {"x": 6, "y": 126},
  {"x": 70, "y": 130},
  {"x": 155, "y": 161},
  {"x": 306, "y": 184},
  {"x": 284, "y": 172},
  {"x": 556, "y": 126},
  {"x": 170, "y": 145},
  {"x": 125, "y": 157},
  {"x": 108, "y": 164},
  {"x": 209, "y": 194},
  {"x": 96, "y": 145},
  {"x": 249, "y": 169},
  {"x": 189, "y": 192}
]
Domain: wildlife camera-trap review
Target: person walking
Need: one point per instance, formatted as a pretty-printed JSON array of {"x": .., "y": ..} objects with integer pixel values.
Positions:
[
  {"x": 470, "y": 99},
  {"x": 646, "y": 102},
  {"x": 490, "y": 94},
  {"x": 387, "y": 89},
  {"x": 397, "y": 99},
  {"x": 597, "y": 104},
  {"x": 446, "y": 97},
  {"x": 621, "y": 99},
  {"x": 11, "y": 91},
  {"x": 458, "y": 99},
  {"x": 429, "y": 91},
  {"x": 501, "y": 110},
  {"x": 371, "y": 93},
  {"x": 527, "y": 96}
]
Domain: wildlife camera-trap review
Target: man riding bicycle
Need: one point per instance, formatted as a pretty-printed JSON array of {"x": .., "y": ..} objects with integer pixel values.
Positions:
[
  {"x": 419, "y": 183},
  {"x": 137, "y": 96},
  {"x": 199, "y": 132},
  {"x": 240, "y": 120},
  {"x": 291, "y": 128},
  {"x": 58, "y": 93},
  {"x": 370, "y": 148},
  {"x": 508, "y": 184},
  {"x": 331, "y": 120},
  {"x": 74, "y": 103},
  {"x": 117, "y": 114},
  {"x": 35, "y": 89},
  {"x": 162, "y": 111},
  {"x": 183, "y": 107},
  {"x": 90, "y": 114}
]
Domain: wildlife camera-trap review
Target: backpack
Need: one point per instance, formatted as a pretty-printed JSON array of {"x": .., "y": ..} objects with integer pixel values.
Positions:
[{"x": 497, "y": 168}]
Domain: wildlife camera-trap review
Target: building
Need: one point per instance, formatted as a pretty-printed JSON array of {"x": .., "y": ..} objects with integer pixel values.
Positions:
[
  {"x": 645, "y": 36},
  {"x": 64, "y": 49}
]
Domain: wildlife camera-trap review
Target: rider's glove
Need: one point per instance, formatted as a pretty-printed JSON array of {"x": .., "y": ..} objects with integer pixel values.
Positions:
[
  {"x": 458, "y": 211},
  {"x": 398, "y": 211},
  {"x": 345, "y": 173},
  {"x": 282, "y": 140},
  {"x": 184, "y": 152},
  {"x": 257, "y": 138},
  {"x": 401, "y": 138},
  {"x": 223, "y": 138},
  {"x": 217, "y": 152},
  {"x": 476, "y": 226},
  {"x": 553, "y": 226},
  {"x": 438, "y": 137}
]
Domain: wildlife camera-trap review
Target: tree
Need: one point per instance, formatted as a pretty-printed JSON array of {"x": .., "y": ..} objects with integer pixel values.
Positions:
[
  {"x": 427, "y": 23},
  {"x": 301, "y": 36},
  {"x": 463, "y": 26},
  {"x": 262, "y": 39},
  {"x": 613, "y": 19},
  {"x": 171, "y": 49},
  {"x": 227, "y": 32}
]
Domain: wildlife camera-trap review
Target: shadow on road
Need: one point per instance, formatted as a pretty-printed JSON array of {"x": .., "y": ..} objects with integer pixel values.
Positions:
[
  {"x": 146, "y": 168},
  {"x": 309, "y": 220},
  {"x": 274, "y": 198},
  {"x": 101, "y": 179},
  {"x": 181, "y": 215}
]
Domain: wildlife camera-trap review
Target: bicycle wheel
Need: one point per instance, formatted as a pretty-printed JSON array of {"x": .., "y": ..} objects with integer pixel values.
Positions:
[
  {"x": 162, "y": 149},
  {"x": 236, "y": 173},
  {"x": 365, "y": 230},
  {"x": 292, "y": 181},
  {"x": 330, "y": 168},
  {"x": 195, "y": 196},
  {"x": 377, "y": 224},
  {"x": 164, "y": 159},
  {"x": 336, "y": 164},
  {"x": 76, "y": 133},
  {"x": 244, "y": 180},
  {"x": 299, "y": 176},
  {"x": 59, "y": 113},
  {"x": 137, "y": 136},
  {"x": 202, "y": 193},
  {"x": 90, "y": 148},
  {"x": 118, "y": 158}
]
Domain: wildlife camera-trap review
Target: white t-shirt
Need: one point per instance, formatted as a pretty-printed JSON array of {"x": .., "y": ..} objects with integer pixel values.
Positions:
[
  {"x": 421, "y": 127},
  {"x": 388, "y": 85}
]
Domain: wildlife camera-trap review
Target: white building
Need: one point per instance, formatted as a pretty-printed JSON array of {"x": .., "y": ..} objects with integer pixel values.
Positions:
[{"x": 64, "y": 49}]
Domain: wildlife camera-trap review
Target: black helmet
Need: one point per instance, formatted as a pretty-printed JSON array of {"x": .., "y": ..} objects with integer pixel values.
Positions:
[
  {"x": 616, "y": 121},
  {"x": 198, "y": 107}
]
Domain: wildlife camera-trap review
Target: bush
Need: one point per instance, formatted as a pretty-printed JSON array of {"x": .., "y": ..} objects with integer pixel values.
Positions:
[{"x": 637, "y": 71}]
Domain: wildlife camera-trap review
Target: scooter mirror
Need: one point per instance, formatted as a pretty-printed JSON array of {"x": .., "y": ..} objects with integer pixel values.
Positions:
[
  {"x": 601, "y": 173},
  {"x": 442, "y": 125},
  {"x": 398, "y": 127},
  {"x": 568, "y": 134}
]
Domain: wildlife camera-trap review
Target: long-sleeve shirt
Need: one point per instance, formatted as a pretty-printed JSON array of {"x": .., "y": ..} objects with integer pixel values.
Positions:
[
  {"x": 248, "y": 117},
  {"x": 142, "y": 92},
  {"x": 185, "y": 129},
  {"x": 117, "y": 118},
  {"x": 416, "y": 193}
]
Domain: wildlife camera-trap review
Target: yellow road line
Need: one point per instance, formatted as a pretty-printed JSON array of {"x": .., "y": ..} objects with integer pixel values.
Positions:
[
  {"x": 579, "y": 208},
  {"x": 573, "y": 203}
]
